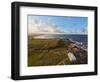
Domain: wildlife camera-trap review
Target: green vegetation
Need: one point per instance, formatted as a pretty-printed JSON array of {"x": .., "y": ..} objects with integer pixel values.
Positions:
[{"x": 43, "y": 52}]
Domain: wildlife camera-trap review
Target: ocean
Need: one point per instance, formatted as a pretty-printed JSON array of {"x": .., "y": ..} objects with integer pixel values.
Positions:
[{"x": 80, "y": 40}]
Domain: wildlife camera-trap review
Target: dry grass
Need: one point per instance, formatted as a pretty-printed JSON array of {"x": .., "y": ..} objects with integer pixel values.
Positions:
[{"x": 43, "y": 52}]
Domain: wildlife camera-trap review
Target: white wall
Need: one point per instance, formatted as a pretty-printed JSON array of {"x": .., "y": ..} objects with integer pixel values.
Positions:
[{"x": 5, "y": 40}]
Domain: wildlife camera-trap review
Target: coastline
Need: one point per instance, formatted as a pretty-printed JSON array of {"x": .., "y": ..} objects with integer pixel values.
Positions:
[{"x": 44, "y": 52}]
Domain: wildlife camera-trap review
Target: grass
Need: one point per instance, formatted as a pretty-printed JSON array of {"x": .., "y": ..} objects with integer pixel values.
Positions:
[{"x": 44, "y": 52}]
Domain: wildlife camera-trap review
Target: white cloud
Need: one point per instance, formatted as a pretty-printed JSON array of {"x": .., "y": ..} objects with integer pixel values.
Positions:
[
  {"x": 42, "y": 27},
  {"x": 76, "y": 31}
]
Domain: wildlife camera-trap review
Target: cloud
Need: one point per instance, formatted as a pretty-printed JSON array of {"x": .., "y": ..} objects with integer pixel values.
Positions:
[
  {"x": 43, "y": 27},
  {"x": 40, "y": 27},
  {"x": 77, "y": 31}
]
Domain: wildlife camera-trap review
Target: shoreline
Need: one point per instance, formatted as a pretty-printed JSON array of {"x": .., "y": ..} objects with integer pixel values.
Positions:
[{"x": 43, "y": 52}]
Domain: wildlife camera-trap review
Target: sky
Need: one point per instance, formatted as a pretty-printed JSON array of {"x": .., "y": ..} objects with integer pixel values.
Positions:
[{"x": 57, "y": 24}]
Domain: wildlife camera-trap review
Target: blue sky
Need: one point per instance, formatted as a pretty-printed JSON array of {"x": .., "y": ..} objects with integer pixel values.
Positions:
[{"x": 67, "y": 24}]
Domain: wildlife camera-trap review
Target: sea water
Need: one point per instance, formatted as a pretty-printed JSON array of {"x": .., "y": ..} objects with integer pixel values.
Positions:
[{"x": 80, "y": 40}]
